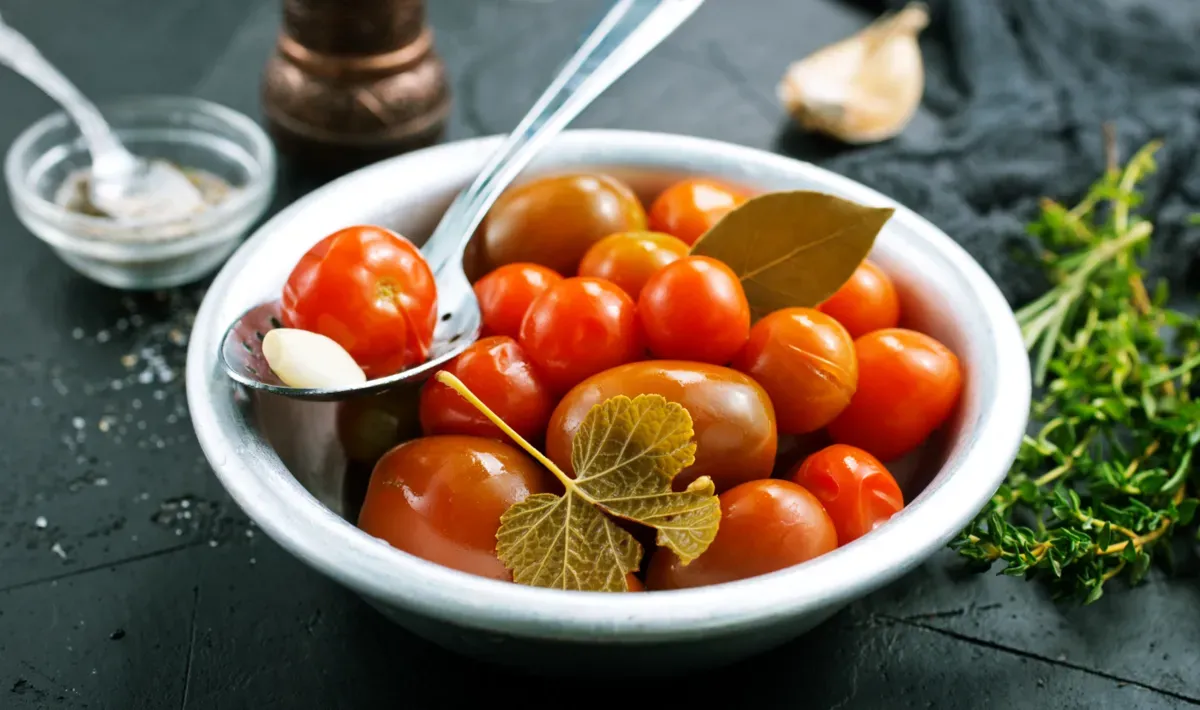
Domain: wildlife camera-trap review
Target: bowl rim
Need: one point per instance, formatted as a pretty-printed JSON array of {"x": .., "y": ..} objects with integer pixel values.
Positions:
[
  {"x": 202, "y": 229},
  {"x": 258, "y": 481}
]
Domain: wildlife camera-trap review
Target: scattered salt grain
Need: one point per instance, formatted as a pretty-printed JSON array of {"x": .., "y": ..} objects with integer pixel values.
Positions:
[
  {"x": 77, "y": 333},
  {"x": 41, "y": 522},
  {"x": 57, "y": 549},
  {"x": 78, "y": 422}
]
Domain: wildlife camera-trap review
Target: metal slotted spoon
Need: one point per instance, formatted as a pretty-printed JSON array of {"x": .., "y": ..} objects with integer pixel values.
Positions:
[{"x": 629, "y": 30}]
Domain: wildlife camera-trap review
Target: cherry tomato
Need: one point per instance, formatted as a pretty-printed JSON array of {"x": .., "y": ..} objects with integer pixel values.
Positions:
[
  {"x": 553, "y": 221},
  {"x": 369, "y": 290},
  {"x": 695, "y": 309},
  {"x": 766, "y": 526},
  {"x": 441, "y": 498},
  {"x": 499, "y": 372},
  {"x": 856, "y": 489},
  {"x": 908, "y": 383},
  {"x": 580, "y": 327},
  {"x": 629, "y": 259},
  {"x": 866, "y": 302},
  {"x": 634, "y": 584},
  {"x": 732, "y": 417},
  {"x": 505, "y": 294},
  {"x": 689, "y": 208},
  {"x": 368, "y": 427},
  {"x": 805, "y": 360}
]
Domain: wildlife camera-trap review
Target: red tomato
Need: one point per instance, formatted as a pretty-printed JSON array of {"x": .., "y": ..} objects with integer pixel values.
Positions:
[
  {"x": 441, "y": 498},
  {"x": 580, "y": 327},
  {"x": 856, "y": 489},
  {"x": 695, "y": 309},
  {"x": 505, "y": 294},
  {"x": 805, "y": 361},
  {"x": 766, "y": 526},
  {"x": 369, "y": 290},
  {"x": 908, "y": 383},
  {"x": 634, "y": 584},
  {"x": 629, "y": 259},
  {"x": 689, "y": 208},
  {"x": 866, "y": 302},
  {"x": 499, "y": 372}
]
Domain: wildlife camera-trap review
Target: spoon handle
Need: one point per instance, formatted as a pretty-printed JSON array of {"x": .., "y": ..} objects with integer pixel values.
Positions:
[
  {"x": 629, "y": 30},
  {"x": 108, "y": 155}
]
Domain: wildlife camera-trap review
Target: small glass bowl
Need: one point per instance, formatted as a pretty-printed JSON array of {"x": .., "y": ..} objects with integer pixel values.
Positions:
[{"x": 189, "y": 132}]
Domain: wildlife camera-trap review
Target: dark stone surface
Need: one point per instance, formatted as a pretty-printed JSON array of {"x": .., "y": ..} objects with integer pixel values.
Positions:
[{"x": 128, "y": 580}]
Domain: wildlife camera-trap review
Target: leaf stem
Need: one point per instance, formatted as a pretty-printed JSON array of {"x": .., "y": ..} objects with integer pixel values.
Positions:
[{"x": 457, "y": 385}]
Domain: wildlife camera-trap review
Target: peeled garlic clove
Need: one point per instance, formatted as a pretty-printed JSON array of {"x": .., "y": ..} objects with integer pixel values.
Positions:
[
  {"x": 310, "y": 360},
  {"x": 865, "y": 88}
]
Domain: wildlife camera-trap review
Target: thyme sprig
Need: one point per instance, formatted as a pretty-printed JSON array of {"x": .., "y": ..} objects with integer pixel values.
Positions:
[{"x": 1106, "y": 478}]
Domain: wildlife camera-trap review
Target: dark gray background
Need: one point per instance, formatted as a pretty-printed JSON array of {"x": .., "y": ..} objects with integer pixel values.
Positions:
[{"x": 147, "y": 588}]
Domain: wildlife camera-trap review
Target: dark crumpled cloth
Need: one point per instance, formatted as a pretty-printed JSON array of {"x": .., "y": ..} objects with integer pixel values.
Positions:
[{"x": 1016, "y": 95}]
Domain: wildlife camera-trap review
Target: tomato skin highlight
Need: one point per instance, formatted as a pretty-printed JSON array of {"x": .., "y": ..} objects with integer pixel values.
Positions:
[
  {"x": 441, "y": 497},
  {"x": 506, "y": 293},
  {"x": 499, "y": 372},
  {"x": 856, "y": 489},
  {"x": 370, "y": 290},
  {"x": 866, "y": 302},
  {"x": 806, "y": 362},
  {"x": 695, "y": 309},
  {"x": 908, "y": 384},
  {"x": 579, "y": 327},
  {"x": 732, "y": 417},
  {"x": 690, "y": 207},
  {"x": 766, "y": 526},
  {"x": 554, "y": 220},
  {"x": 629, "y": 259}
]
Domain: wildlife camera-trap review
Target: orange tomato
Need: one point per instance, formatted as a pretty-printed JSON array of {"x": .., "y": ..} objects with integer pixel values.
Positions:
[
  {"x": 441, "y": 497},
  {"x": 866, "y": 302},
  {"x": 805, "y": 360},
  {"x": 580, "y": 327},
  {"x": 695, "y": 309},
  {"x": 506, "y": 294},
  {"x": 689, "y": 208},
  {"x": 908, "y": 383},
  {"x": 766, "y": 526},
  {"x": 629, "y": 259},
  {"x": 858, "y": 491},
  {"x": 499, "y": 372}
]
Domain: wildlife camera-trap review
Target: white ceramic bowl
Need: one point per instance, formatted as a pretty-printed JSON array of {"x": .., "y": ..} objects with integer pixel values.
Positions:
[{"x": 280, "y": 459}]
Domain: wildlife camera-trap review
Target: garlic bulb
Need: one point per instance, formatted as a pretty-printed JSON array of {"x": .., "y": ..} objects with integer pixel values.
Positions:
[
  {"x": 309, "y": 360},
  {"x": 865, "y": 88}
]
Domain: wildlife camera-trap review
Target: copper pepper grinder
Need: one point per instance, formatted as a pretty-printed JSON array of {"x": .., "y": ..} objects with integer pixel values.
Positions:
[{"x": 354, "y": 81}]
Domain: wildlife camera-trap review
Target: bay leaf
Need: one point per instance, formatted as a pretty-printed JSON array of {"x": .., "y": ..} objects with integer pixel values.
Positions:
[{"x": 793, "y": 248}]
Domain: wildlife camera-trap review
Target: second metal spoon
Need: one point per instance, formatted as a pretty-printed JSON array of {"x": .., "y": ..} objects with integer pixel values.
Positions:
[
  {"x": 626, "y": 34},
  {"x": 120, "y": 184}
]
